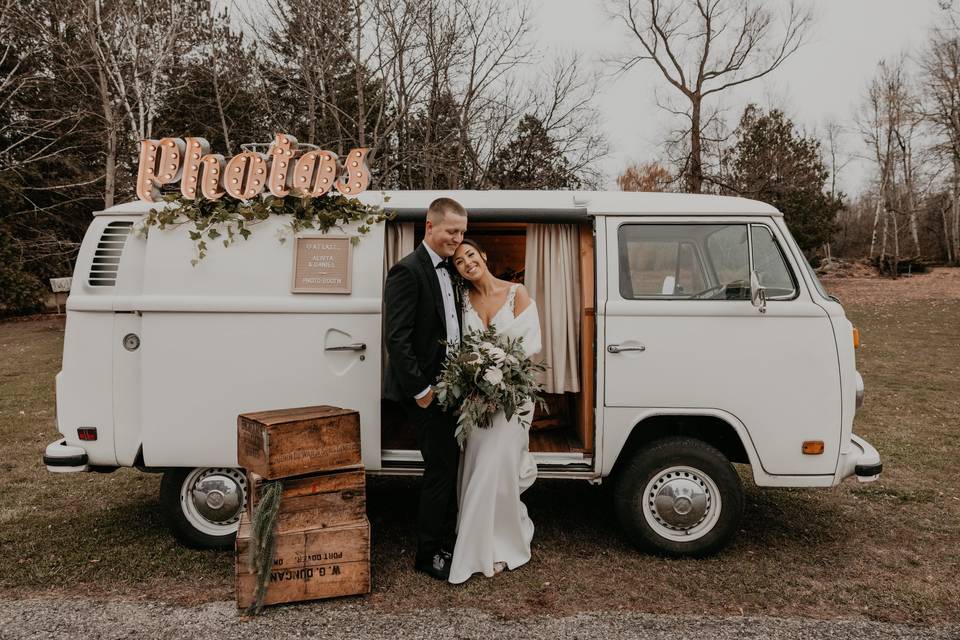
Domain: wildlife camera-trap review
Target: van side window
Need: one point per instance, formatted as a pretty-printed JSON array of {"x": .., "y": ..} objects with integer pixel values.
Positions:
[
  {"x": 770, "y": 265},
  {"x": 684, "y": 261}
]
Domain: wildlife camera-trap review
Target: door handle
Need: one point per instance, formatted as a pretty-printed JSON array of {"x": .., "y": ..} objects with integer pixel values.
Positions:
[
  {"x": 615, "y": 348},
  {"x": 356, "y": 346}
]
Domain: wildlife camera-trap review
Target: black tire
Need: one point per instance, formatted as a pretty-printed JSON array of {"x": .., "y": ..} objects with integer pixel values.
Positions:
[
  {"x": 695, "y": 467},
  {"x": 188, "y": 528}
]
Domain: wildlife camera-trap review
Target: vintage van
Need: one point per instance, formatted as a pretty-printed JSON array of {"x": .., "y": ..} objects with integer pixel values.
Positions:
[{"x": 696, "y": 336}]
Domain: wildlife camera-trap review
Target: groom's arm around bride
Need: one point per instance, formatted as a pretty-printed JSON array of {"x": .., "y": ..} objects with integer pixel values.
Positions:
[{"x": 421, "y": 310}]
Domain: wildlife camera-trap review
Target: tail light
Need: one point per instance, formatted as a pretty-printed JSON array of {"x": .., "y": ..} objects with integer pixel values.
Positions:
[{"x": 87, "y": 433}]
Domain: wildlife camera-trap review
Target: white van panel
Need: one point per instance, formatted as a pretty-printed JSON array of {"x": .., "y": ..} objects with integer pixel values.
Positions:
[
  {"x": 228, "y": 336},
  {"x": 85, "y": 384},
  {"x": 201, "y": 370}
]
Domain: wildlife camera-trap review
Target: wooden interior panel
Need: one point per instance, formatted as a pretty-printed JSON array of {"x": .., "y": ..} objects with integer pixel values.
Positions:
[{"x": 585, "y": 401}]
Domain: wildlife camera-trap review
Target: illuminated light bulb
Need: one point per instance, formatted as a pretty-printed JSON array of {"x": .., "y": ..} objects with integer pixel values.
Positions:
[
  {"x": 174, "y": 155},
  {"x": 196, "y": 144},
  {"x": 167, "y": 176},
  {"x": 357, "y": 185},
  {"x": 190, "y": 189},
  {"x": 355, "y": 163},
  {"x": 358, "y": 154},
  {"x": 173, "y": 166},
  {"x": 303, "y": 178},
  {"x": 234, "y": 181},
  {"x": 193, "y": 178},
  {"x": 259, "y": 170},
  {"x": 196, "y": 156},
  {"x": 326, "y": 157},
  {"x": 283, "y": 164},
  {"x": 325, "y": 181},
  {"x": 236, "y": 169},
  {"x": 359, "y": 174},
  {"x": 152, "y": 148},
  {"x": 170, "y": 144},
  {"x": 329, "y": 169},
  {"x": 256, "y": 182},
  {"x": 214, "y": 170}
]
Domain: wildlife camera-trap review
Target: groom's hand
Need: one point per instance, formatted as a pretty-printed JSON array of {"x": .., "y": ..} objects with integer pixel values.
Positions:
[{"x": 425, "y": 401}]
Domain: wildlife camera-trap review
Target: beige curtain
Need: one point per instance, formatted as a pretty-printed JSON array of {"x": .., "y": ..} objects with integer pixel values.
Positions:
[
  {"x": 399, "y": 243},
  {"x": 552, "y": 275}
]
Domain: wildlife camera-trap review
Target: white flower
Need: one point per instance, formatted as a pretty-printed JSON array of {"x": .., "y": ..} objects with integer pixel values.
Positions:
[
  {"x": 140, "y": 229},
  {"x": 497, "y": 354},
  {"x": 512, "y": 361},
  {"x": 493, "y": 375},
  {"x": 486, "y": 346}
]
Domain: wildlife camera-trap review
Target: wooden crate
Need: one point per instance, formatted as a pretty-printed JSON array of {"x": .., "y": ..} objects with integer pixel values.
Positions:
[
  {"x": 293, "y": 442},
  {"x": 309, "y": 564},
  {"x": 318, "y": 500}
]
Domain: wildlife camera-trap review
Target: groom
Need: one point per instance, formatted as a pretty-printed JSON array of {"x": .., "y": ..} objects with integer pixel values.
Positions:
[{"x": 422, "y": 308}]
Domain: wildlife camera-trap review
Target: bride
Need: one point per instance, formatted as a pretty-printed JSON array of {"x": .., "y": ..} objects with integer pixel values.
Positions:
[{"x": 493, "y": 528}]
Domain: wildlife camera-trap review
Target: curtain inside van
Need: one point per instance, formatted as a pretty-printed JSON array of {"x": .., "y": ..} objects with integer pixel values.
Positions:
[
  {"x": 399, "y": 243},
  {"x": 552, "y": 275}
]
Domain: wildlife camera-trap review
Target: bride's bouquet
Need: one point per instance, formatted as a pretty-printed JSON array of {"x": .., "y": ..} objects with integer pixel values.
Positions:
[{"x": 488, "y": 372}]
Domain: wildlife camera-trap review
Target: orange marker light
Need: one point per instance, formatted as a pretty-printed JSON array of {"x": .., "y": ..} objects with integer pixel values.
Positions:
[
  {"x": 813, "y": 447},
  {"x": 856, "y": 338}
]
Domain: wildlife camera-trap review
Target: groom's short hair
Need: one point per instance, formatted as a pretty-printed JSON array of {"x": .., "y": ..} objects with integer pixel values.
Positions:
[{"x": 440, "y": 207}]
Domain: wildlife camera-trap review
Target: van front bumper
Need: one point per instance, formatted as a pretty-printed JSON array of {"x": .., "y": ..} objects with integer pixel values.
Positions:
[
  {"x": 861, "y": 460},
  {"x": 63, "y": 458}
]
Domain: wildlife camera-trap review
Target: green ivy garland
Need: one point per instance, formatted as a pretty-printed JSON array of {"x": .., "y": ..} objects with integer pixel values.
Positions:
[{"x": 226, "y": 220}]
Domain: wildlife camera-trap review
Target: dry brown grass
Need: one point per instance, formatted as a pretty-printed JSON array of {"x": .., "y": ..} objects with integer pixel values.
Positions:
[{"x": 888, "y": 550}]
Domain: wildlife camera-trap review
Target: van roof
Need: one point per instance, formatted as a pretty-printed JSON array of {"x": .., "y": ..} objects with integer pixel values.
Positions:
[{"x": 546, "y": 205}]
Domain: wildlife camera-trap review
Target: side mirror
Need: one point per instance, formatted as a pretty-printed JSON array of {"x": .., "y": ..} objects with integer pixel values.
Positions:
[{"x": 758, "y": 294}]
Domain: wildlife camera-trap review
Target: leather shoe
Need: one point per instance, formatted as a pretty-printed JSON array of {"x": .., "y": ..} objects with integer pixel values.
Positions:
[{"x": 436, "y": 567}]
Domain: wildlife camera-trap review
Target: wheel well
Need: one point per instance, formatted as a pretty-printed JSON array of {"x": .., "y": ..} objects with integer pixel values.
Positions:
[{"x": 710, "y": 429}]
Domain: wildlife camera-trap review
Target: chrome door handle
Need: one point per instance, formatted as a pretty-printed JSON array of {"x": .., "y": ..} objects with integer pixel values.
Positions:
[
  {"x": 615, "y": 348},
  {"x": 356, "y": 346}
]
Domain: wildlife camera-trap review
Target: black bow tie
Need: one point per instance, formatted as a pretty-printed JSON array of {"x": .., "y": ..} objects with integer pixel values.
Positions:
[{"x": 444, "y": 264}]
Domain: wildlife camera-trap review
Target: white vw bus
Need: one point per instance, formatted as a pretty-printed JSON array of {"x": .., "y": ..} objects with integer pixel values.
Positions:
[{"x": 686, "y": 333}]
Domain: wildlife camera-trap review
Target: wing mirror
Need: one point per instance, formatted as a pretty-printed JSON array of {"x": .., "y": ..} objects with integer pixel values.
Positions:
[{"x": 758, "y": 294}]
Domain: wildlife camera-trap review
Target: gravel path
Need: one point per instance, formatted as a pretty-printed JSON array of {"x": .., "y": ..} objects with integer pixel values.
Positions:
[{"x": 48, "y": 618}]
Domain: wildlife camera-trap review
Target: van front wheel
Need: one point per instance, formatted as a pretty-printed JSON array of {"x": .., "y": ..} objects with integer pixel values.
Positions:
[
  {"x": 680, "y": 497},
  {"x": 203, "y": 505}
]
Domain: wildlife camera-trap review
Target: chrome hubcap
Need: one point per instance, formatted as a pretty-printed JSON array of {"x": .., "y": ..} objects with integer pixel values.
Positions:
[
  {"x": 681, "y": 503},
  {"x": 213, "y": 499}
]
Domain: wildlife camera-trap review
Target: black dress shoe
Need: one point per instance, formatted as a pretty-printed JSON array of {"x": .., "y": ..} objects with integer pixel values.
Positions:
[
  {"x": 447, "y": 555},
  {"x": 436, "y": 567}
]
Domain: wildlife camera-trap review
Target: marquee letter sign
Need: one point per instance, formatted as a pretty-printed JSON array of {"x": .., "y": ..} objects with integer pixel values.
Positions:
[{"x": 248, "y": 174}]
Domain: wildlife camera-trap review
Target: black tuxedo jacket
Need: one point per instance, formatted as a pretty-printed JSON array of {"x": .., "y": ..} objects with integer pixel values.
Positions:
[{"x": 414, "y": 326}]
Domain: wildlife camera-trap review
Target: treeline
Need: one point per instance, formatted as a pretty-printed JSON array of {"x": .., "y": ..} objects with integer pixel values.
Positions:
[
  {"x": 908, "y": 127},
  {"x": 445, "y": 93}
]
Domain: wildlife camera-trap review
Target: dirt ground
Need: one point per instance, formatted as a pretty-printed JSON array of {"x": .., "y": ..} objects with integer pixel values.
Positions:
[
  {"x": 887, "y": 551},
  {"x": 866, "y": 287}
]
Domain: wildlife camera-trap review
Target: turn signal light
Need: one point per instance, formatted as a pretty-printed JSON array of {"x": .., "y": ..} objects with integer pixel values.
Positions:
[
  {"x": 856, "y": 338},
  {"x": 813, "y": 447},
  {"x": 87, "y": 433}
]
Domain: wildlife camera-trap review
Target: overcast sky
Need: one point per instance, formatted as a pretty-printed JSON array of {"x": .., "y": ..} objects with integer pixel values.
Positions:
[{"x": 824, "y": 80}]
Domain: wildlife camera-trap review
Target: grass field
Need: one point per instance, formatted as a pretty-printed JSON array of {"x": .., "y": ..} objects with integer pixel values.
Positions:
[{"x": 888, "y": 550}]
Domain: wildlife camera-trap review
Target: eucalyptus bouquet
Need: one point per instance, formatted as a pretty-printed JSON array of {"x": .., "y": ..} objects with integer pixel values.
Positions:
[{"x": 488, "y": 372}]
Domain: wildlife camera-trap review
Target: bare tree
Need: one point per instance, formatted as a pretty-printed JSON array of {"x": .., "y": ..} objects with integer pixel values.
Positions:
[
  {"x": 940, "y": 64},
  {"x": 704, "y": 47}
]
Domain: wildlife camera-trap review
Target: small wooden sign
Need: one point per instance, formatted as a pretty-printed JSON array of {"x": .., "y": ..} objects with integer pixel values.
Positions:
[{"x": 322, "y": 264}]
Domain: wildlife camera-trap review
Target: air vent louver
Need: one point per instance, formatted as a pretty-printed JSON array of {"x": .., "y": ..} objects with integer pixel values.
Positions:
[{"x": 106, "y": 259}]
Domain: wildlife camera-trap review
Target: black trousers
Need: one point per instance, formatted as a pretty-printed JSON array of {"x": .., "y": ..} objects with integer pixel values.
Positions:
[{"x": 437, "y": 511}]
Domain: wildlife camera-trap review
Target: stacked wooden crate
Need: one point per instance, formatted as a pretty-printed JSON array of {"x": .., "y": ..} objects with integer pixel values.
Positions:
[{"x": 322, "y": 532}]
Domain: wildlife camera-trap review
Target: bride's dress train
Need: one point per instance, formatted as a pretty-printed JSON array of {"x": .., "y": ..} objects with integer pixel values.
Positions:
[{"x": 495, "y": 468}]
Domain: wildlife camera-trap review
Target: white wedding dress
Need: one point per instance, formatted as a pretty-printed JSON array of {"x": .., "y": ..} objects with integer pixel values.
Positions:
[{"x": 495, "y": 468}]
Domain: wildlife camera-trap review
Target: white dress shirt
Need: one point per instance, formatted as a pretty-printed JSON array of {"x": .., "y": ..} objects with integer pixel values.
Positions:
[{"x": 449, "y": 306}]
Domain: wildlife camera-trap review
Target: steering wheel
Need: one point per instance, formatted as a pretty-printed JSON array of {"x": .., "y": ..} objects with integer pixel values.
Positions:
[{"x": 706, "y": 292}]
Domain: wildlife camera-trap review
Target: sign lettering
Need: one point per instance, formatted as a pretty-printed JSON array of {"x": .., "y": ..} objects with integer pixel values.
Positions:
[{"x": 248, "y": 174}]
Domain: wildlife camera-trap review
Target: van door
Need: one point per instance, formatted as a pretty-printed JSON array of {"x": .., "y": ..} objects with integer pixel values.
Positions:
[
  {"x": 231, "y": 336},
  {"x": 681, "y": 333}
]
